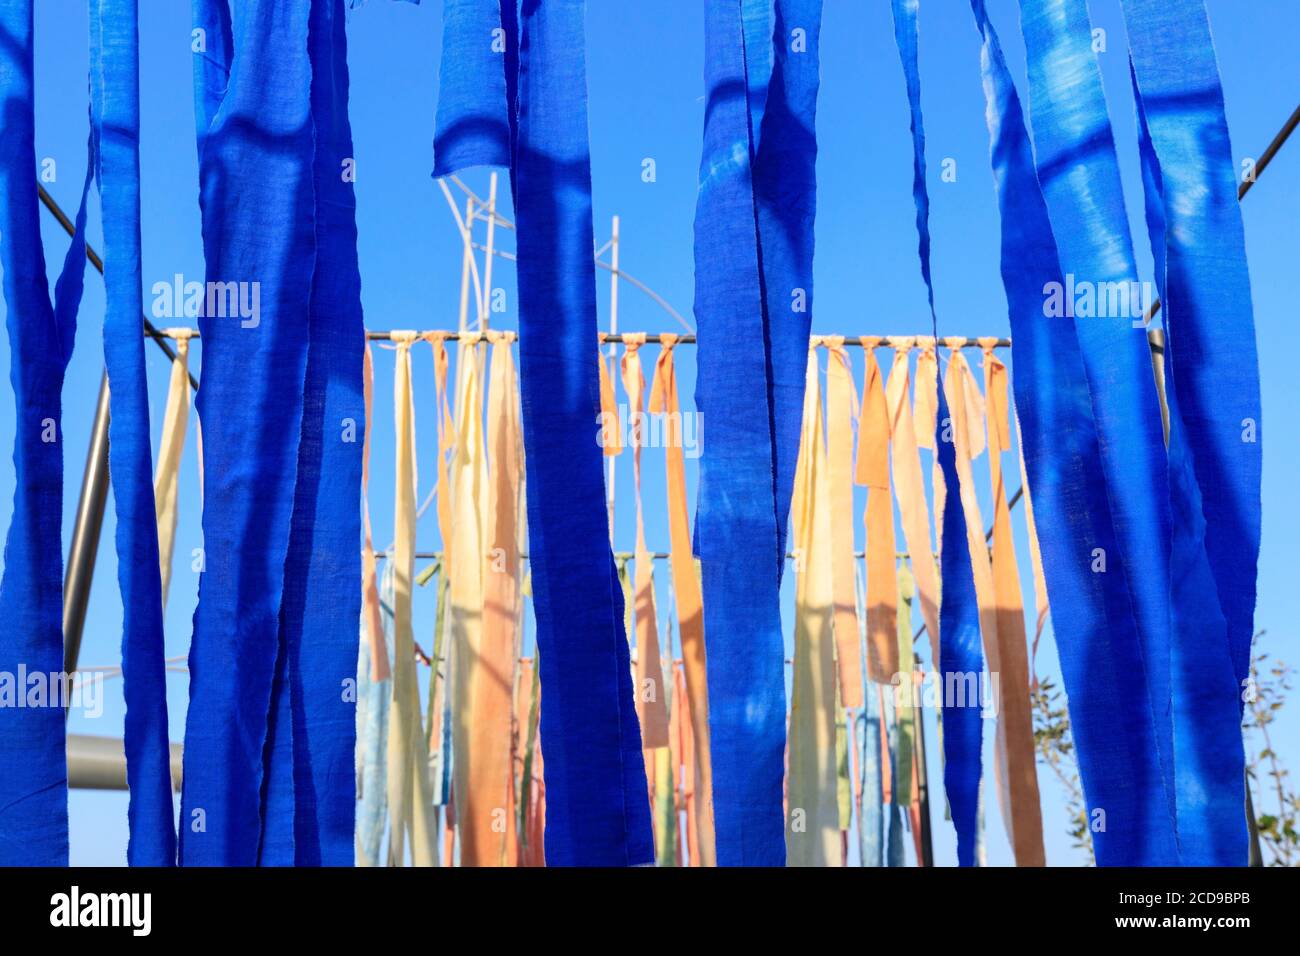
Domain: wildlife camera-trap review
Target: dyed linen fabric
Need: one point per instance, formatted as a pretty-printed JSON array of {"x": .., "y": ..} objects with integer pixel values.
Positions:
[
  {"x": 476, "y": 85},
  {"x": 270, "y": 733},
  {"x": 115, "y": 115},
  {"x": 906, "y": 37},
  {"x": 813, "y": 823},
  {"x": 1213, "y": 399},
  {"x": 166, "y": 479},
  {"x": 33, "y": 762},
  {"x": 784, "y": 176},
  {"x": 736, "y": 510},
  {"x": 596, "y": 807},
  {"x": 961, "y": 668},
  {"x": 1111, "y": 718},
  {"x": 1078, "y": 171}
]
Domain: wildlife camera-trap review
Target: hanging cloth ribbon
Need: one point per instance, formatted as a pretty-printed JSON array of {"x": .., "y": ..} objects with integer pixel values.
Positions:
[
  {"x": 475, "y": 121},
  {"x": 736, "y": 510},
  {"x": 166, "y": 479},
  {"x": 961, "y": 662},
  {"x": 1017, "y": 777},
  {"x": 493, "y": 676},
  {"x": 905, "y": 462},
  {"x": 905, "y": 691},
  {"x": 959, "y": 659},
  {"x": 1101, "y": 660},
  {"x": 33, "y": 760},
  {"x": 1077, "y": 166},
  {"x": 371, "y": 621},
  {"x": 757, "y": 191},
  {"x": 254, "y": 371},
  {"x": 596, "y": 783},
  {"x": 664, "y": 401},
  {"x": 115, "y": 113},
  {"x": 813, "y": 830},
  {"x": 479, "y": 789},
  {"x": 651, "y": 698},
  {"x": 840, "y": 399},
  {"x": 409, "y": 803},
  {"x": 873, "y": 472},
  {"x": 373, "y": 697},
  {"x": 1213, "y": 402}
]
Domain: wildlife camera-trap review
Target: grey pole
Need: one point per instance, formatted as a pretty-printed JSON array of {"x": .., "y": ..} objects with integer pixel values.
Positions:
[{"x": 85, "y": 534}]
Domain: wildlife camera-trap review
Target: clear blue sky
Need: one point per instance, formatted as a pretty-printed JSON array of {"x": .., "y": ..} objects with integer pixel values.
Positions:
[{"x": 646, "y": 100}]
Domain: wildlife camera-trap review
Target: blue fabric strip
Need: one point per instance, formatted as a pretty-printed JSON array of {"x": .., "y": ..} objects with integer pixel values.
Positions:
[
  {"x": 258, "y": 231},
  {"x": 785, "y": 199},
  {"x": 871, "y": 820},
  {"x": 115, "y": 95},
  {"x": 1212, "y": 387},
  {"x": 1079, "y": 174},
  {"x": 474, "y": 122},
  {"x": 320, "y": 602},
  {"x": 1101, "y": 661},
  {"x": 961, "y": 655},
  {"x": 736, "y": 512},
  {"x": 597, "y": 813},
  {"x": 33, "y": 762},
  {"x": 906, "y": 36}
]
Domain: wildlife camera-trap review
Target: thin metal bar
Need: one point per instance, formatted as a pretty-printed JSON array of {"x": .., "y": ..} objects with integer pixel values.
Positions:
[
  {"x": 655, "y": 338},
  {"x": 85, "y": 534},
  {"x": 150, "y": 330}
]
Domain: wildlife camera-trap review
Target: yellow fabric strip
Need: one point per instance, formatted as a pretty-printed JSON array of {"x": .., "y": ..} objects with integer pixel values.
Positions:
[
  {"x": 172, "y": 443},
  {"x": 813, "y": 816},
  {"x": 1015, "y": 717},
  {"x": 839, "y": 456},
  {"x": 873, "y": 472},
  {"x": 686, "y": 586},
  {"x": 485, "y": 601},
  {"x": 379, "y": 669},
  {"x": 651, "y": 699},
  {"x": 409, "y": 806},
  {"x": 910, "y": 491}
]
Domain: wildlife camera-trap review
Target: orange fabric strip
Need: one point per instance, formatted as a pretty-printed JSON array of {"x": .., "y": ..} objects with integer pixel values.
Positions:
[
  {"x": 839, "y": 456},
  {"x": 611, "y": 432},
  {"x": 487, "y": 804},
  {"x": 873, "y": 471},
  {"x": 651, "y": 699},
  {"x": 908, "y": 487},
  {"x": 1015, "y": 717},
  {"x": 686, "y": 586}
]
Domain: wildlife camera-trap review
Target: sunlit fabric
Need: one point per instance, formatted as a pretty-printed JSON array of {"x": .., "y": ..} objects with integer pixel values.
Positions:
[
  {"x": 596, "y": 807},
  {"x": 1078, "y": 170},
  {"x": 1212, "y": 390},
  {"x": 271, "y": 730},
  {"x": 736, "y": 509},
  {"x": 33, "y": 764},
  {"x": 1111, "y": 716},
  {"x": 115, "y": 114},
  {"x": 475, "y": 121}
]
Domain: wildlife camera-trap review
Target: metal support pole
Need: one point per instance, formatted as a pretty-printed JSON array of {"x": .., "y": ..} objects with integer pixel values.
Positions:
[{"x": 85, "y": 534}]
